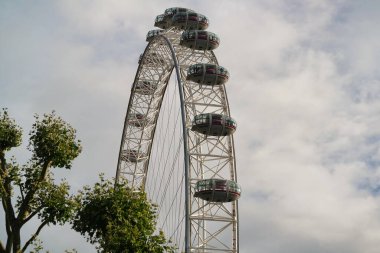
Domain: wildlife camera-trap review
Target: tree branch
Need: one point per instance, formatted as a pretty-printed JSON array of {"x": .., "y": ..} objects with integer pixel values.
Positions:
[
  {"x": 44, "y": 171},
  {"x": 43, "y": 224},
  {"x": 6, "y": 197},
  {"x": 3, "y": 174},
  {"x": 31, "y": 216},
  {"x": 22, "y": 193},
  {"x": 2, "y": 190},
  {"x": 29, "y": 196},
  {"x": 7, "y": 219}
]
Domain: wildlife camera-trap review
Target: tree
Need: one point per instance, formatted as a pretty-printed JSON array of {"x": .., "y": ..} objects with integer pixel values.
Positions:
[
  {"x": 29, "y": 190},
  {"x": 118, "y": 219}
]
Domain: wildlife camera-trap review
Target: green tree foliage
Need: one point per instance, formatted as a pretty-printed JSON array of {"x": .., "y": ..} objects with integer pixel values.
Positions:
[
  {"x": 10, "y": 133},
  {"x": 118, "y": 219},
  {"x": 29, "y": 191}
]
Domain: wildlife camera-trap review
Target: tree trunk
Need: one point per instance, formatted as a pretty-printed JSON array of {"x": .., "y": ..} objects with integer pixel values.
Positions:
[
  {"x": 8, "y": 248},
  {"x": 10, "y": 218},
  {"x": 16, "y": 231}
]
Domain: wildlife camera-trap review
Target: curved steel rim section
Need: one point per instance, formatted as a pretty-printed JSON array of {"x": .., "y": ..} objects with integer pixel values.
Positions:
[
  {"x": 132, "y": 95},
  {"x": 184, "y": 131}
]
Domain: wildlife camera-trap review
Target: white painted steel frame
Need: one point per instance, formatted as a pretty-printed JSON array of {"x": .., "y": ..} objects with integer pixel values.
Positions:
[{"x": 211, "y": 227}]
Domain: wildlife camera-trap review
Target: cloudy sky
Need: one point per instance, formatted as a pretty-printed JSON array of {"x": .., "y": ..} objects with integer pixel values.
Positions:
[{"x": 304, "y": 89}]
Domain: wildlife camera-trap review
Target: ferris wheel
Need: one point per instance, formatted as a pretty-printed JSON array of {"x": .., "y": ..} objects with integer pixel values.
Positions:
[{"x": 177, "y": 143}]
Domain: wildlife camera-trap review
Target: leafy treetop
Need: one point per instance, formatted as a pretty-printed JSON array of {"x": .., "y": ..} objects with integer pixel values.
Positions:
[
  {"x": 10, "y": 132},
  {"x": 53, "y": 140},
  {"x": 118, "y": 219}
]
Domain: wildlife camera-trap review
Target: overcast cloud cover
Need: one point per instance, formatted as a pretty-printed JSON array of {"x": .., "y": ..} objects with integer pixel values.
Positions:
[{"x": 304, "y": 89}]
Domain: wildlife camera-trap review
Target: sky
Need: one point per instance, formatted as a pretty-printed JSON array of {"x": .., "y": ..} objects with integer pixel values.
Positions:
[{"x": 304, "y": 89}]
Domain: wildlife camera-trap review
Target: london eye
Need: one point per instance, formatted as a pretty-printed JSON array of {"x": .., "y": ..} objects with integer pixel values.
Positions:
[{"x": 177, "y": 143}]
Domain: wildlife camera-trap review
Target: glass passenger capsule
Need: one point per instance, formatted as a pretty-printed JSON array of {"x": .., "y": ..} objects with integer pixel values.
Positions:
[
  {"x": 137, "y": 119},
  {"x": 132, "y": 155},
  {"x": 145, "y": 87},
  {"x": 209, "y": 74},
  {"x": 170, "y": 12},
  {"x": 160, "y": 21},
  {"x": 200, "y": 40},
  {"x": 165, "y": 20},
  {"x": 190, "y": 21},
  {"x": 153, "y": 33},
  {"x": 214, "y": 124},
  {"x": 217, "y": 190}
]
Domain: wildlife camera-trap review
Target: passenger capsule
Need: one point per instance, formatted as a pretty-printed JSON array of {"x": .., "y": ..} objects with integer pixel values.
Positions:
[
  {"x": 190, "y": 21},
  {"x": 132, "y": 155},
  {"x": 200, "y": 40},
  {"x": 165, "y": 20},
  {"x": 217, "y": 190},
  {"x": 214, "y": 124},
  {"x": 145, "y": 87},
  {"x": 153, "y": 33},
  {"x": 170, "y": 12},
  {"x": 160, "y": 21},
  {"x": 209, "y": 74},
  {"x": 137, "y": 119}
]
